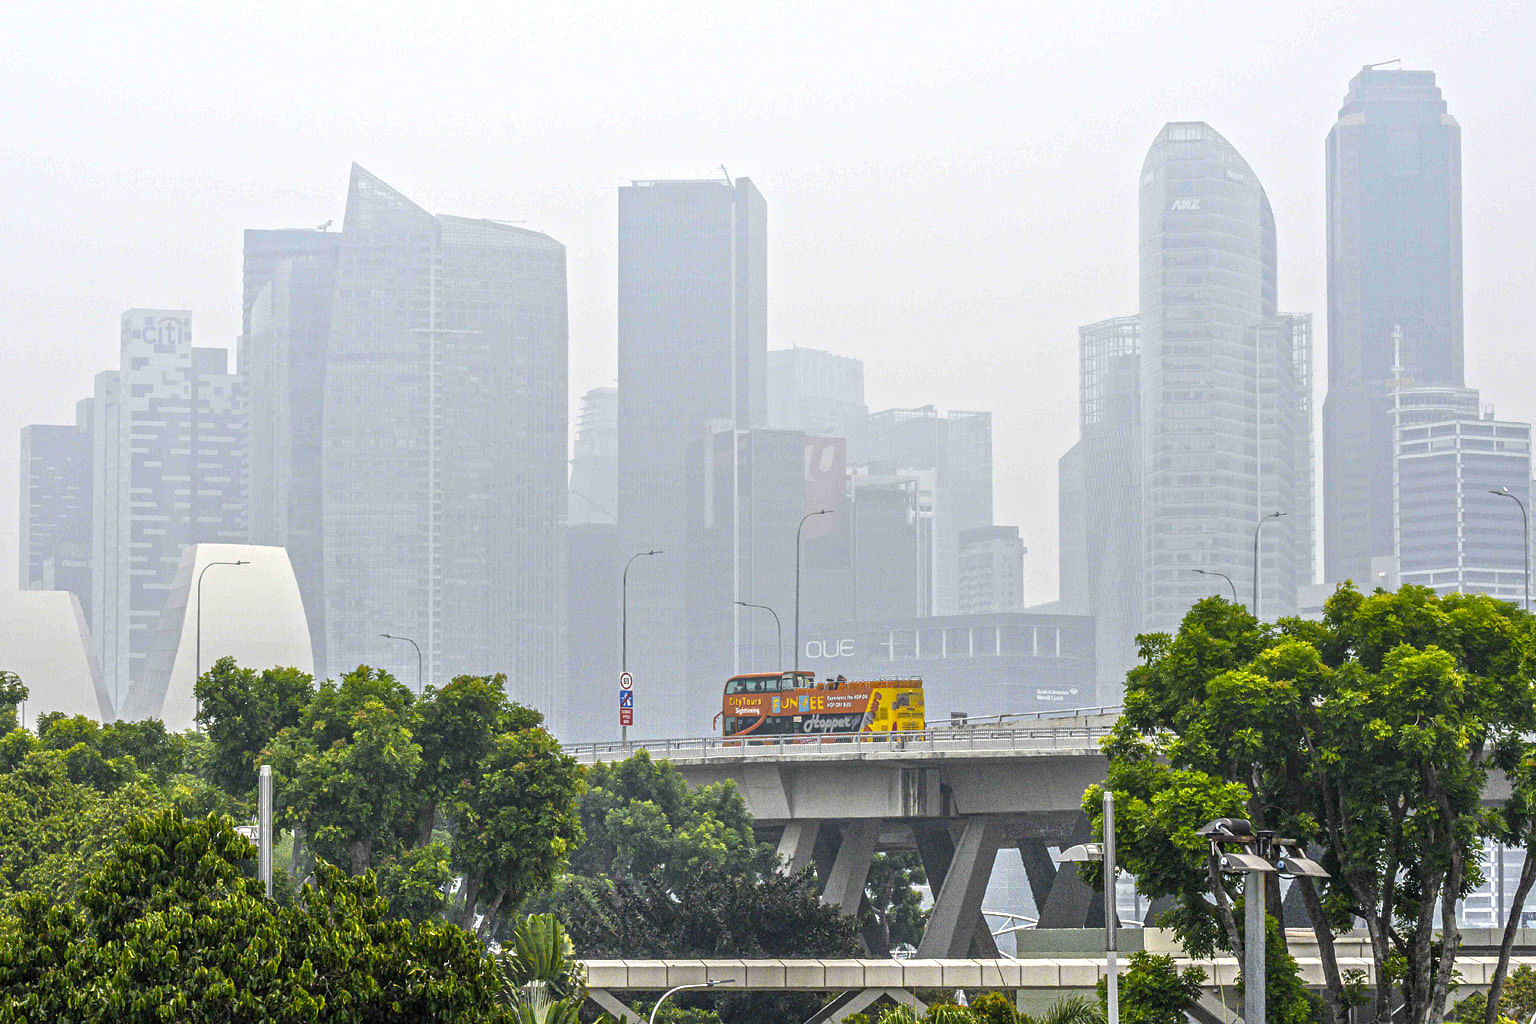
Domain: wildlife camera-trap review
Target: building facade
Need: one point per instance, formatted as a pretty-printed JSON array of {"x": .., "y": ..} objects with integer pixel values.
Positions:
[
  {"x": 820, "y": 394},
  {"x": 1220, "y": 399},
  {"x": 1100, "y": 495},
  {"x": 169, "y": 469},
  {"x": 595, "y": 459},
  {"x": 692, "y": 350},
  {"x": 1394, "y": 261},
  {"x": 290, "y": 283},
  {"x": 55, "y": 521},
  {"x": 444, "y": 447},
  {"x": 991, "y": 570},
  {"x": 953, "y": 454}
]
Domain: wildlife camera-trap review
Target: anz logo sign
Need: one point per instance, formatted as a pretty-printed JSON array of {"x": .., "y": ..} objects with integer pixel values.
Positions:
[
  {"x": 1183, "y": 205},
  {"x": 829, "y": 648}
]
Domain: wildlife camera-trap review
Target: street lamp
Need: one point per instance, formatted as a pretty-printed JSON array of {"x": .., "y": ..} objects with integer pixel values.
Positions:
[
  {"x": 1503, "y": 492},
  {"x": 197, "y": 671},
  {"x": 1256, "y": 529},
  {"x": 680, "y": 988},
  {"x": 1105, "y": 852},
  {"x": 1212, "y": 572},
  {"x": 624, "y": 626},
  {"x": 798, "y": 529},
  {"x": 413, "y": 643},
  {"x": 778, "y": 650},
  {"x": 1236, "y": 849}
]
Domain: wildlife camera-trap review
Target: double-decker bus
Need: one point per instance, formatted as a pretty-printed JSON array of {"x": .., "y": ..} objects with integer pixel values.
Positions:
[{"x": 785, "y": 703}]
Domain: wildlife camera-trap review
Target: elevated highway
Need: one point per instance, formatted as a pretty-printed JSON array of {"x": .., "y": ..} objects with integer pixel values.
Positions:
[{"x": 955, "y": 794}]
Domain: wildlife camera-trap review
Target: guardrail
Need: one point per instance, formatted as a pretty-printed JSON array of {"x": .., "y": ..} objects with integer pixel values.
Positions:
[{"x": 809, "y": 746}]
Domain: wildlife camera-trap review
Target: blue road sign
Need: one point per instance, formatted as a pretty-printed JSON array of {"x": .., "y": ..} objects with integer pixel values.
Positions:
[{"x": 626, "y": 698}]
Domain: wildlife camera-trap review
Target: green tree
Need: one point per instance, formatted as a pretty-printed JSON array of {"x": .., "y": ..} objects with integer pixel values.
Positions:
[
  {"x": 995, "y": 1008},
  {"x": 1073, "y": 1010},
  {"x": 892, "y": 911},
  {"x": 1368, "y": 733},
  {"x": 516, "y": 822},
  {"x": 457, "y": 726},
  {"x": 172, "y": 926},
  {"x": 12, "y": 693},
  {"x": 241, "y": 711},
  {"x": 1153, "y": 990}
]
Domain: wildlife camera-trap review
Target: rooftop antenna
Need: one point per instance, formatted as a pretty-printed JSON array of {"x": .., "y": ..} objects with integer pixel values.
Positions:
[
  {"x": 1395, "y": 60},
  {"x": 727, "y": 174}
]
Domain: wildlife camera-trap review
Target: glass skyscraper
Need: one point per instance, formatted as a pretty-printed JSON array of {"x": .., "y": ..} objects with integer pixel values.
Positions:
[
  {"x": 692, "y": 338},
  {"x": 1223, "y": 401},
  {"x": 444, "y": 447},
  {"x": 1394, "y": 261}
]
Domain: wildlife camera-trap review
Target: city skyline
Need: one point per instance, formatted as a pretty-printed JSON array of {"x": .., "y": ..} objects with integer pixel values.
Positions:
[{"x": 878, "y": 254}]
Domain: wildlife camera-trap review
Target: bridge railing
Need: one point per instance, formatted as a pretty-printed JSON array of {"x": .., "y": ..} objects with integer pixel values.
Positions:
[{"x": 1064, "y": 736}]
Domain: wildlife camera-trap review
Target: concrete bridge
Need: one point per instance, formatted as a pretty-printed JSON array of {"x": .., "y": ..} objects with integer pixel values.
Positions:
[{"x": 956, "y": 795}]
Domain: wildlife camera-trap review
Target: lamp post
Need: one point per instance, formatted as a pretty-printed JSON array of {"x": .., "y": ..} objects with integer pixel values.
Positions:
[
  {"x": 1105, "y": 852},
  {"x": 778, "y": 651},
  {"x": 1525, "y": 521},
  {"x": 680, "y": 988},
  {"x": 798, "y": 529},
  {"x": 1256, "y": 529},
  {"x": 1236, "y": 849},
  {"x": 198, "y": 657},
  {"x": 1212, "y": 572},
  {"x": 413, "y": 643},
  {"x": 624, "y": 627}
]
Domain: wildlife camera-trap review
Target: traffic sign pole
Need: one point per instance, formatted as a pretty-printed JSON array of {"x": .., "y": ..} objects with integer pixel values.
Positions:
[{"x": 626, "y": 705}]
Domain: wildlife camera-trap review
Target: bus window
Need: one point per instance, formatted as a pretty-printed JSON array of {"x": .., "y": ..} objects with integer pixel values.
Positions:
[
  {"x": 732, "y": 686},
  {"x": 787, "y": 681}
]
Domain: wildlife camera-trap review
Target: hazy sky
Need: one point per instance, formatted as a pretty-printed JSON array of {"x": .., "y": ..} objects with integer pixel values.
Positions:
[{"x": 951, "y": 187}]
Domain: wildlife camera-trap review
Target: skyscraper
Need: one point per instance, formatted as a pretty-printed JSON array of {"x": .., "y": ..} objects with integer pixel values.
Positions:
[
  {"x": 1221, "y": 404},
  {"x": 1100, "y": 495},
  {"x": 819, "y": 393},
  {"x": 595, "y": 459},
  {"x": 55, "y": 523},
  {"x": 991, "y": 570},
  {"x": 1394, "y": 260},
  {"x": 692, "y": 339},
  {"x": 957, "y": 451},
  {"x": 290, "y": 282},
  {"x": 169, "y": 469},
  {"x": 444, "y": 447}
]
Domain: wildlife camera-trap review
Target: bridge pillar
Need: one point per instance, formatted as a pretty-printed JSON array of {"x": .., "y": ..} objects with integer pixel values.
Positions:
[
  {"x": 850, "y": 868},
  {"x": 797, "y": 846},
  {"x": 956, "y": 926}
]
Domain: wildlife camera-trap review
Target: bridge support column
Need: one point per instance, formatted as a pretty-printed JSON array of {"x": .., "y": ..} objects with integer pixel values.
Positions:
[
  {"x": 850, "y": 869},
  {"x": 956, "y": 926},
  {"x": 797, "y": 845},
  {"x": 1070, "y": 903},
  {"x": 610, "y": 1004},
  {"x": 850, "y": 1003}
]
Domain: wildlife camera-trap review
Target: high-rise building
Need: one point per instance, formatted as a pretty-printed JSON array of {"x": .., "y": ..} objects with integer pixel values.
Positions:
[
  {"x": 991, "y": 570},
  {"x": 169, "y": 470},
  {"x": 595, "y": 459},
  {"x": 444, "y": 446},
  {"x": 592, "y": 625},
  {"x": 290, "y": 282},
  {"x": 692, "y": 341},
  {"x": 957, "y": 451},
  {"x": 1100, "y": 495},
  {"x": 55, "y": 523},
  {"x": 1394, "y": 260},
  {"x": 1221, "y": 403},
  {"x": 820, "y": 394}
]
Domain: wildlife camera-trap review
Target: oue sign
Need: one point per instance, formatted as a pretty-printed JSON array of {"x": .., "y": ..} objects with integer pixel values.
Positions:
[{"x": 829, "y": 648}]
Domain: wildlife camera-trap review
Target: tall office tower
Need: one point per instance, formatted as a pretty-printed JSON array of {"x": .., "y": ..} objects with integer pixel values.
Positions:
[
  {"x": 957, "y": 450},
  {"x": 991, "y": 570},
  {"x": 819, "y": 393},
  {"x": 55, "y": 523},
  {"x": 169, "y": 469},
  {"x": 444, "y": 451},
  {"x": 1394, "y": 259},
  {"x": 1100, "y": 495},
  {"x": 290, "y": 282},
  {"x": 692, "y": 333},
  {"x": 1220, "y": 402},
  {"x": 595, "y": 460}
]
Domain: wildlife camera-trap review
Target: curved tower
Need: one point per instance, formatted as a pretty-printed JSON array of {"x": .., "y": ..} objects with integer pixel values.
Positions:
[{"x": 1224, "y": 382}]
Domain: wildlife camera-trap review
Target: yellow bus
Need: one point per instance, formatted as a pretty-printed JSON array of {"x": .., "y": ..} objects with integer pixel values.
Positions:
[{"x": 794, "y": 703}]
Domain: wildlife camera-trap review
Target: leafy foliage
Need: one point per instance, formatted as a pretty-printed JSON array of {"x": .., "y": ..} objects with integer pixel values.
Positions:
[{"x": 1152, "y": 991}]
